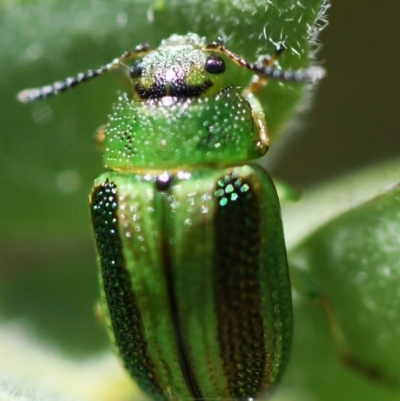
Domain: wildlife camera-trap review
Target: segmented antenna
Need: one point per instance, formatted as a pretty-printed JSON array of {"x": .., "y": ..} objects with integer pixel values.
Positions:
[
  {"x": 311, "y": 74},
  {"x": 33, "y": 94}
]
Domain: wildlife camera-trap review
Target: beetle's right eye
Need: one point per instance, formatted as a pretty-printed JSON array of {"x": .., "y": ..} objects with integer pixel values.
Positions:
[
  {"x": 136, "y": 69},
  {"x": 215, "y": 64}
]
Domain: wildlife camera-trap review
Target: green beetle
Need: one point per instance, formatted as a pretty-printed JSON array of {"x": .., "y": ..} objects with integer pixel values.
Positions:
[{"x": 193, "y": 270}]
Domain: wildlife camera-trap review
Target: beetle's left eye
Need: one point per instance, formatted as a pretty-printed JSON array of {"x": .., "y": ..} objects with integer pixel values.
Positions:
[
  {"x": 215, "y": 65},
  {"x": 136, "y": 69}
]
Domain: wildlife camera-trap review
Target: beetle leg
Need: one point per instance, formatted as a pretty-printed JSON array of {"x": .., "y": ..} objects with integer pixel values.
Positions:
[
  {"x": 259, "y": 120},
  {"x": 258, "y": 82},
  {"x": 286, "y": 192},
  {"x": 99, "y": 314},
  {"x": 99, "y": 138}
]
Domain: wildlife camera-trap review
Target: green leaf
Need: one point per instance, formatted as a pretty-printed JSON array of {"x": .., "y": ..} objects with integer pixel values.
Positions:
[{"x": 346, "y": 237}]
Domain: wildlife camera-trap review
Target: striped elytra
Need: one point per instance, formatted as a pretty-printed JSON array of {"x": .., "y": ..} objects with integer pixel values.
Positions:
[
  {"x": 124, "y": 315},
  {"x": 196, "y": 291}
]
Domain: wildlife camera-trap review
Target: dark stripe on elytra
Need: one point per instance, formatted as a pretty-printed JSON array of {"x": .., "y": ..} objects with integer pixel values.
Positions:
[
  {"x": 184, "y": 362},
  {"x": 123, "y": 307},
  {"x": 237, "y": 292}
]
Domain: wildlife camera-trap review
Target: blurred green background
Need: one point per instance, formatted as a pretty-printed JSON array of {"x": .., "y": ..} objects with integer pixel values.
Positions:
[
  {"x": 48, "y": 158},
  {"x": 355, "y": 119}
]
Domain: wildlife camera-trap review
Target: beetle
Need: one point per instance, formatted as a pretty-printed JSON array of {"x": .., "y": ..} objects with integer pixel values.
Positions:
[{"x": 193, "y": 270}]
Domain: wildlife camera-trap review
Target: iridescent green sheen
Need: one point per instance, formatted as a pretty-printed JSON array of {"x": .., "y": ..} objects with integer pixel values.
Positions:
[
  {"x": 203, "y": 262},
  {"x": 193, "y": 268},
  {"x": 174, "y": 132}
]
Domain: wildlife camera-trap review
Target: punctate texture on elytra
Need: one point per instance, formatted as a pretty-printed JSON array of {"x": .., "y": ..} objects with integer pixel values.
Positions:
[{"x": 195, "y": 281}]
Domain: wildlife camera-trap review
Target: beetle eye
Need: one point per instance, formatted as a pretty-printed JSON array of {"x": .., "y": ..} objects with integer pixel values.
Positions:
[
  {"x": 215, "y": 65},
  {"x": 136, "y": 69}
]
